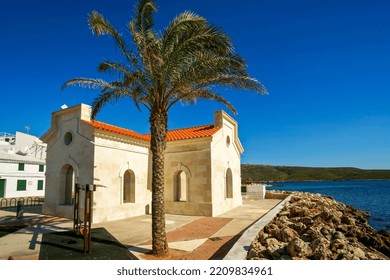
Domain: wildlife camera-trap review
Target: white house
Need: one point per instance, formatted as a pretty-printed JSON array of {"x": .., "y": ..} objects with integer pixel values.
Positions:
[
  {"x": 22, "y": 144},
  {"x": 21, "y": 176},
  {"x": 202, "y": 167},
  {"x": 22, "y": 165}
]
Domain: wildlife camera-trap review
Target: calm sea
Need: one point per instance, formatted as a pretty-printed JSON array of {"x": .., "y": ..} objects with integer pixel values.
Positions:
[{"x": 370, "y": 196}]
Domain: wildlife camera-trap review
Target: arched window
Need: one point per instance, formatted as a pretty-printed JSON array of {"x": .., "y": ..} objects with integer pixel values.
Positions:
[
  {"x": 69, "y": 183},
  {"x": 229, "y": 183},
  {"x": 129, "y": 187},
  {"x": 181, "y": 186}
]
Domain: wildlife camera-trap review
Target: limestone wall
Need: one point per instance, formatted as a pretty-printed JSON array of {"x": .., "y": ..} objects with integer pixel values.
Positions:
[
  {"x": 202, "y": 175},
  {"x": 192, "y": 159},
  {"x": 70, "y": 145},
  {"x": 226, "y": 150},
  {"x": 113, "y": 157}
]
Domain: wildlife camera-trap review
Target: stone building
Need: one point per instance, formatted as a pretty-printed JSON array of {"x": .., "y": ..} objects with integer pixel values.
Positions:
[{"x": 202, "y": 167}]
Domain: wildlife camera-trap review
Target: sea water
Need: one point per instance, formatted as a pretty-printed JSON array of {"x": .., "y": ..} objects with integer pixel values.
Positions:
[{"x": 371, "y": 196}]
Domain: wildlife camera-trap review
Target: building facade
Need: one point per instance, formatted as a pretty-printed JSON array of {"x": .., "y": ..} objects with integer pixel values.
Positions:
[
  {"x": 21, "y": 176},
  {"x": 202, "y": 167}
]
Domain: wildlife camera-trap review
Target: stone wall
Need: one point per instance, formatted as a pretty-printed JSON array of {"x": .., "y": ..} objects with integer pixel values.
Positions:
[
  {"x": 255, "y": 191},
  {"x": 70, "y": 145},
  {"x": 226, "y": 153},
  {"x": 124, "y": 154},
  {"x": 192, "y": 157}
]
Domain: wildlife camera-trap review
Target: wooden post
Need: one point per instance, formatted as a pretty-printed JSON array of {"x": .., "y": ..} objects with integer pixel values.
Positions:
[
  {"x": 76, "y": 218},
  {"x": 85, "y": 226},
  {"x": 88, "y": 203}
]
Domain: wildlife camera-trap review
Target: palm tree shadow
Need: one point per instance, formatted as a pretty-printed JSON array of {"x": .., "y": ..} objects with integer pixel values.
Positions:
[{"x": 68, "y": 245}]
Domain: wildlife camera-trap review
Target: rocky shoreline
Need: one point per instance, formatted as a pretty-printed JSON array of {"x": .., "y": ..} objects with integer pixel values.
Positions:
[{"x": 317, "y": 227}]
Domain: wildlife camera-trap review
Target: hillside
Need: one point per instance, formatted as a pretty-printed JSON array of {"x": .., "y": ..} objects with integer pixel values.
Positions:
[{"x": 265, "y": 173}]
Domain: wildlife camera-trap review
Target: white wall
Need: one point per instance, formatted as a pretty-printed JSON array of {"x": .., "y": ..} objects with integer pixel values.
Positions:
[
  {"x": 98, "y": 157},
  {"x": 31, "y": 173},
  {"x": 78, "y": 154},
  {"x": 225, "y": 154}
]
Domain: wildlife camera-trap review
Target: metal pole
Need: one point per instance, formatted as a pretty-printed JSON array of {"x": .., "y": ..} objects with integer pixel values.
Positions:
[
  {"x": 76, "y": 218},
  {"x": 85, "y": 230}
]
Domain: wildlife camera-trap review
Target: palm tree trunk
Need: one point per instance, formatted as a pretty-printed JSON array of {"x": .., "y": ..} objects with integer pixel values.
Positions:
[{"x": 158, "y": 128}]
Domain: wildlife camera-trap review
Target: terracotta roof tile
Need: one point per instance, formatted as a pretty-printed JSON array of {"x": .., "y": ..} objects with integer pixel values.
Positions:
[
  {"x": 192, "y": 132},
  {"x": 172, "y": 135},
  {"x": 117, "y": 129}
]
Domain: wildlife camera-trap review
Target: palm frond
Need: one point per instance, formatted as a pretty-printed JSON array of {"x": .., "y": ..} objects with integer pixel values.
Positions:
[
  {"x": 100, "y": 26},
  {"x": 235, "y": 81},
  {"x": 102, "y": 99},
  {"x": 202, "y": 93},
  {"x": 113, "y": 68},
  {"x": 144, "y": 19},
  {"x": 189, "y": 29},
  {"x": 204, "y": 64},
  {"x": 184, "y": 63},
  {"x": 86, "y": 83}
]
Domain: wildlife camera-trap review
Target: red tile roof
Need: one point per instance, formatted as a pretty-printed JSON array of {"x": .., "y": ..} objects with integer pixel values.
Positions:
[
  {"x": 117, "y": 129},
  {"x": 172, "y": 135},
  {"x": 192, "y": 132}
]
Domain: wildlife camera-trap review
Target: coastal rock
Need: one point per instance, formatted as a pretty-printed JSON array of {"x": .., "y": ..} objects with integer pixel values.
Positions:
[
  {"x": 272, "y": 241},
  {"x": 298, "y": 248},
  {"x": 275, "y": 252},
  {"x": 305, "y": 220},
  {"x": 272, "y": 230},
  {"x": 313, "y": 226},
  {"x": 288, "y": 234},
  {"x": 284, "y": 213},
  {"x": 320, "y": 249},
  {"x": 298, "y": 227},
  {"x": 348, "y": 220}
]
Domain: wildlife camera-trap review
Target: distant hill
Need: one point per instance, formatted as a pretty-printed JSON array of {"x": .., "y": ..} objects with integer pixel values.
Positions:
[{"x": 266, "y": 173}]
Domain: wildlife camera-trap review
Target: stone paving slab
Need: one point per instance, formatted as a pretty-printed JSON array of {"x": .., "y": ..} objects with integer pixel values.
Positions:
[{"x": 130, "y": 232}]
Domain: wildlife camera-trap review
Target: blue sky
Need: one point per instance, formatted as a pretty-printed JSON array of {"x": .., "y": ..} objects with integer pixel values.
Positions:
[{"x": 326, "y": 65}]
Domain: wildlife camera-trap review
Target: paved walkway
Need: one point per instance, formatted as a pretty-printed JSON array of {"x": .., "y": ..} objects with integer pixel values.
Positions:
[{"x": 134, "y": 232}]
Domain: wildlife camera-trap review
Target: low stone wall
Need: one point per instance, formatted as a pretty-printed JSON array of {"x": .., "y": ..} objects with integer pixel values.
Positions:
[
  {"x": 276, "y": 195},
  {"x": 313, "y": 226},
  {"x": 255, "y": 191}
]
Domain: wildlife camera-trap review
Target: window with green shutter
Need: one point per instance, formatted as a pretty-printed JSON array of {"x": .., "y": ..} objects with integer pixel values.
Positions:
[
  {"x": 21, "y": 185},
  {"x": 40, "y": 185},
  {"x": 41, "y": 168},
  {"x": 21, "y": 167}
]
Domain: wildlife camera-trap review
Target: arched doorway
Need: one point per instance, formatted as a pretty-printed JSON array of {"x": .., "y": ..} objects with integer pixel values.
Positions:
[{"x": 129, "y": 187}]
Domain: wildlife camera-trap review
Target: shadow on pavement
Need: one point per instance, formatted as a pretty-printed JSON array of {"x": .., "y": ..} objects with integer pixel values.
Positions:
[{"x": 68, "y": 245}]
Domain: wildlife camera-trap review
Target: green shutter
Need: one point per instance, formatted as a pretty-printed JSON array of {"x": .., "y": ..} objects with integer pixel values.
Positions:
[
  {"x": 2, "y": 188},
  {"x": 41, "y": 168},
  {"x": 40, "y": 185},
  {"x": 21, "y": 167},
  {"x": 21, "y": 185}
]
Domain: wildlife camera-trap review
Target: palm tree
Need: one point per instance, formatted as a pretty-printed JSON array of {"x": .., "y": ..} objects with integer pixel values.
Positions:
[{"x": 183, "y": 63}]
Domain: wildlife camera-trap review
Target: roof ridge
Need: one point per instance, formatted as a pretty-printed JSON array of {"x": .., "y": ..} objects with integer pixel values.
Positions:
[
  {"x": 116, "y": 129},
  {"x": 204, "y": 125},
  {"x": 172, "y": 135},
  {"x": 116, "y": 126}
]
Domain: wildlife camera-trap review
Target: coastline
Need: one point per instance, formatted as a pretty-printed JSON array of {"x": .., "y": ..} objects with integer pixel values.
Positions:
[
  {"x": 308, "y": 181},
  {"x": 314, "y": 226}
]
